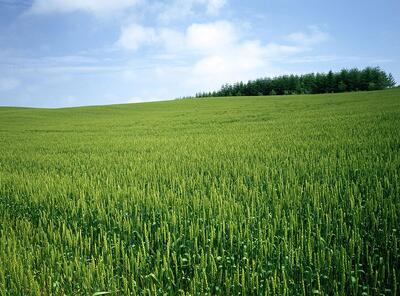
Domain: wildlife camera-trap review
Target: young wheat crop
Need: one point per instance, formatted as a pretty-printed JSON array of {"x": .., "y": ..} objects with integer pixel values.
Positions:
[{"x": 283, "y": 195}]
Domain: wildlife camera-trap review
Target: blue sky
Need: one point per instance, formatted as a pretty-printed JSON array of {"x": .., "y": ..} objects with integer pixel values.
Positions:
[{"x": 57, "y": 53}]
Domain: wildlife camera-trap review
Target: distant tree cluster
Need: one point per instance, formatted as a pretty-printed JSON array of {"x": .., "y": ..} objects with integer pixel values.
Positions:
[{"x": 332, "y": 82}]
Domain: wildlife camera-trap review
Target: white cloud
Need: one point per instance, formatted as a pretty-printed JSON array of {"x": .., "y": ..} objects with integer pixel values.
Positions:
[
  {"x": 312, "y": 37},
  {"x": 135, "y": 36},
  {"x": 7, "y": 84},
  {"x": 241, "y": 61},
  {"x": 211, "y": 37},
  {"x": 198, "y": 38},
  {"x": 216, "y": 52},
  {"x": 98, "y": 7}
]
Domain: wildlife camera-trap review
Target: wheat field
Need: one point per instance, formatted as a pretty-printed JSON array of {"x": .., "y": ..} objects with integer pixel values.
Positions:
[{"x": 280, "y": 195}]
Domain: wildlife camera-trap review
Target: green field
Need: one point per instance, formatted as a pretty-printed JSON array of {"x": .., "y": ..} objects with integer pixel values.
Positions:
[{"x": 281, "y": 195}]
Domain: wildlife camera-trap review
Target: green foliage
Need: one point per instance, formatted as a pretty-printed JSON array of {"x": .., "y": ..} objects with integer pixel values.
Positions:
[
  {"x": 344, "y": 81},
  {"x": 295, "y": 195}
]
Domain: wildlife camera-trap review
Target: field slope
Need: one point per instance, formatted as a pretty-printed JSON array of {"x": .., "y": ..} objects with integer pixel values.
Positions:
[{"x": 291, "y": 195}]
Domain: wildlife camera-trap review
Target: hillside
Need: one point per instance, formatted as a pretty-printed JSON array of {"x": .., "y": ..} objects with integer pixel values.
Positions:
[{"x": 284, "y": 195}]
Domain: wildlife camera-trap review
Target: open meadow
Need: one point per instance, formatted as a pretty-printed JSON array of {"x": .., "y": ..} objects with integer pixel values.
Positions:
[{"x": 279, "y": 195}]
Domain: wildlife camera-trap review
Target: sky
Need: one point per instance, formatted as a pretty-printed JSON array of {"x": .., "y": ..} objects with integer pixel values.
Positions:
[{"x": 61, "y": 53}]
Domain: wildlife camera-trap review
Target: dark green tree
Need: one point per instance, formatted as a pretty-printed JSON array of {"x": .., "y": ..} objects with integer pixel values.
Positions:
[{"x": 370, "y": 78}]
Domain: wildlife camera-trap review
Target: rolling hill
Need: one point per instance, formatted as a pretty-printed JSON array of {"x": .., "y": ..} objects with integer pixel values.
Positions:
[{"x": 279, "y": 195}]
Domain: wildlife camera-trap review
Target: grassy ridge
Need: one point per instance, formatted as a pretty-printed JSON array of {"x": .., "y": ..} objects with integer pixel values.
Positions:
[{"x": 293, "y": 195}]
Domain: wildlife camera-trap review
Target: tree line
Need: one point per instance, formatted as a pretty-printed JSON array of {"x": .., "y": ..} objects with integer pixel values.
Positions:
[{"x": 370, "y": 78}]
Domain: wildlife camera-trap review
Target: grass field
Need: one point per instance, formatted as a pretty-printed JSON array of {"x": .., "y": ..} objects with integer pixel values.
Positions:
[{"x": 292, "y": 195}]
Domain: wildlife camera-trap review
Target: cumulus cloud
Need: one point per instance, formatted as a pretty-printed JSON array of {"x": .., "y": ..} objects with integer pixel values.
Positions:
[
  {"x": 197, "y": 38},
  {"x": 135, "y": 36},
  {"x": 98, "y": 7},
  {"x": 242, "y": 60},
  {"x": 246, "y": 61},
  {"x": 217, "y": 52},
  {"x": 211, "y": 37}
]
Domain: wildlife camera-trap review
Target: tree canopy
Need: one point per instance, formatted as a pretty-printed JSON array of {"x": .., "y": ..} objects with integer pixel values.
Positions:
[{"x": 370, "y": 78}]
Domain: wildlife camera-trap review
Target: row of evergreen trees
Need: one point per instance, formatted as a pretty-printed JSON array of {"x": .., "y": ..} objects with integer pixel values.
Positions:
[{"x": 343, "y": 81}]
